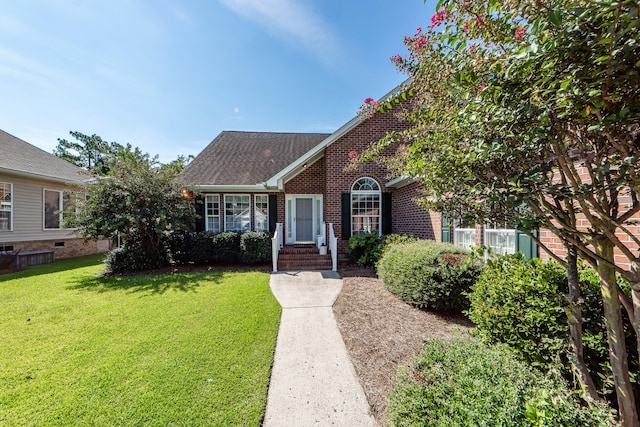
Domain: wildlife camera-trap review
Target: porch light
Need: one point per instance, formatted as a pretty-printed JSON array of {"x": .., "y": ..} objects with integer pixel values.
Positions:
[{"x": 187, "y": 194}]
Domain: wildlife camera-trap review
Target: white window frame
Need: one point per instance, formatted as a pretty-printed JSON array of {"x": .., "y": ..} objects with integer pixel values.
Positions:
[
  {"x": 3, "y": 204},
  {"x": 371, "y": 192},
  {"x": 60, "y": 210},
  {"x": 213, "y": 199},
  {"x": 290, "y": 214},
  {"x": 464, "y": 236},
  {"x": 503, "y": 235},
  {"x": 226, "y": 222},
  {"x": 258, "y": 212}
]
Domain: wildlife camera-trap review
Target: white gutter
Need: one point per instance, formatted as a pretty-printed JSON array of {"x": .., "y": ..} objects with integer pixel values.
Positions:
[
  {"x": 399, "y": 182},
  {"x": 257, "y": 188},
  {"x": 33, "y": 175}
]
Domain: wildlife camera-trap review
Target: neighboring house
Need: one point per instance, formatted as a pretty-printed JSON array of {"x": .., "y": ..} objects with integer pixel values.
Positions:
[{"x": 35, "y": 188}]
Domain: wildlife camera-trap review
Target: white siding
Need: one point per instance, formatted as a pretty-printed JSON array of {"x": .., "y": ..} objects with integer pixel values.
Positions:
[{"x": 28, "y": 211}]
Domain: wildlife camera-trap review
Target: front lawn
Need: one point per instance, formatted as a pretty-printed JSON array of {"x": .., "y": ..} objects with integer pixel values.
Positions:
[{"x": 177, "y": 349}]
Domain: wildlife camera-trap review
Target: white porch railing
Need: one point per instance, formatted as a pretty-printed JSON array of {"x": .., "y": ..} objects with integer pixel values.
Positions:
[
  {"x": 276, "y": 245},
  {"x": 322, "y": 237},
  {"x": 333, "y": 247}
]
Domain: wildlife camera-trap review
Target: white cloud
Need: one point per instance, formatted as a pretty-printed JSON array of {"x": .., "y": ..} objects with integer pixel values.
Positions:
[{"x": 290, "y": 21}]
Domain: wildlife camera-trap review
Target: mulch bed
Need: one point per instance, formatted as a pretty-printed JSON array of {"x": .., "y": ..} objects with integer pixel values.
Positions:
[{"x": 382, "y": 333}]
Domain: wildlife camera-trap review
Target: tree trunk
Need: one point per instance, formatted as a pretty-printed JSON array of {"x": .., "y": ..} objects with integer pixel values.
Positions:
[
  {"x": 615, "y": 335},
  {"x": 635, "y": 298},
  {"x": 576, "y": 354}
]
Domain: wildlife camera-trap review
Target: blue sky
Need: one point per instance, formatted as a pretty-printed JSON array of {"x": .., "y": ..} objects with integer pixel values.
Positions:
[{"x": 168, "y": 76}]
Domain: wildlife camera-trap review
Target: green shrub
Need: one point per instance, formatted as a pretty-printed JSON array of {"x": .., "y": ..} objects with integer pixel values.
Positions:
[
  {"x": 364, "y": 249},
  {"x": 255, "y": 247},
  {"x": 367, "y": 249},
  {"x": 430, "y": 274},
  {"x": 131, "y": 259},
  {"x": 464, "y": 383},
  {"x": 226, "y": 247},
  {"x": 523, "y": 304}
]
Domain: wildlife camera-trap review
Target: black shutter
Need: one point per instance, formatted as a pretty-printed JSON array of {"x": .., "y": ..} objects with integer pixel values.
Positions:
[
  {"x": 387, "y": 214},
  {"x": 273, "y": 212},
  {"x": 200, "y": 216},
  {"x": 346, "y": 216}
]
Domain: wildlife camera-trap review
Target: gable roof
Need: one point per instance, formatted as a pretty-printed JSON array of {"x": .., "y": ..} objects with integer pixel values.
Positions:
[
  {"x": 21, "y": 158},
  {"x": 316, "y": 152},
  {"x": 247, "y": 158}
]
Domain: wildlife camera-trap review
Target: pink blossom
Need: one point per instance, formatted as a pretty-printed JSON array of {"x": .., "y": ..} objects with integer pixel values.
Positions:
[
  {"x": 473, "y": 47},
  {"x": 479, "y": 20},
  {"x": 407, "y": 39},
  {"x": 396, "y": 59},
  {"x": 418, "y": 31},
  {"x": 353, "y": 156},
  {"x": 482, "y": 87},
  {"x": 466, "y": 27},
  {"x": 368, "y": 101},
  {"x": 438, "y": 18},
  {"x": 520, "y": 32},
  {"x": 421, "y": 41},
  {"x": 376, "y": 105}
]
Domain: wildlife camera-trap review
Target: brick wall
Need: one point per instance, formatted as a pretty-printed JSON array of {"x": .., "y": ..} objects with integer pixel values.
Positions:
[
  {"x": 624, "y": 200},
  {"x": 340, "y": 180},
  {"x": 65, "y": 248},
  {"x": 312, "y": 180},
  {"x": 411, "y": 218}
]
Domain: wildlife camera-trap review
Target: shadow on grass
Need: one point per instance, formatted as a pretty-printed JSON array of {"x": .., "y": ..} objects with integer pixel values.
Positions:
[
  {"x": 150, "y": 285},
  {"x": 55, "y": 267}
]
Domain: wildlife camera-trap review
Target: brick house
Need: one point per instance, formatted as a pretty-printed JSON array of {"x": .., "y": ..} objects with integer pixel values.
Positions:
[
  {"x": 299, "y": 183},
  {"x": 35, "y": 187}
]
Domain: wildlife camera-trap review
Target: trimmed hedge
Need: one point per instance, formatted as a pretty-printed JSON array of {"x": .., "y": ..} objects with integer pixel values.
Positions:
[
  {"x": 429, "y": 274},
  {"x": 131, "y": 259},
  {"x": 464, "y": 383},
  {"x": 255, "y": 247}
]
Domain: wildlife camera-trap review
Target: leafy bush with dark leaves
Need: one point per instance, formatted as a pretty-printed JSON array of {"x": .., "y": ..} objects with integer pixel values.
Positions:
[
  {"x": 255, "y": 247},
  {"x": 367, "y": 249},
  {"x": 523, "y": 304},
  {"x": 131, "y": 259}
]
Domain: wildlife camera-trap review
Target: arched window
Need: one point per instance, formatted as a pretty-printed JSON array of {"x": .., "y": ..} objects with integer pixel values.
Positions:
[{"x": 365, "y": 206}]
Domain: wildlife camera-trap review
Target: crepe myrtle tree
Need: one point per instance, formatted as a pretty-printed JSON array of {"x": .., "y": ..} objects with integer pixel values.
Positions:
[
  {"x": 528, "y": 111},
  {"x": 139, "y": 200}
]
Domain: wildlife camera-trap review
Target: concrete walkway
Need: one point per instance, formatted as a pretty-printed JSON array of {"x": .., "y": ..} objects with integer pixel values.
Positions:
[{"x": 313, "y": 382}]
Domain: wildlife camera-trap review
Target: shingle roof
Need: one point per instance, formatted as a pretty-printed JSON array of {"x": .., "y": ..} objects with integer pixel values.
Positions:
[
  {"x": 248, "y": 158},
  {"x": 19, "y": 156}
]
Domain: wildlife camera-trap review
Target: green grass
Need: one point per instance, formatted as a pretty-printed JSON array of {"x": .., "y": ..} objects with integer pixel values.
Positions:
[{"x": 178, "y": 349}]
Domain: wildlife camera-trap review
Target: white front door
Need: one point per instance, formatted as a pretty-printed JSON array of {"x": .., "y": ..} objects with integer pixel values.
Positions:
[{"x": 304, "y": 218}]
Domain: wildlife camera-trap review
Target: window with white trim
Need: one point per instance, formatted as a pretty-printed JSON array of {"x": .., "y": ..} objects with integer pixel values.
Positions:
[
  {"x": 57, "y": 204},
  {"x": 501, "y": 238},
  {"x": 261, "y": 202},
  {"x": 212, "y": 213},
  {"x": 365, "y": 206},
  {"x": 237, "y": 212},
  {"x": 464, "y": 234},
  {"x": 6, "y": 206}
]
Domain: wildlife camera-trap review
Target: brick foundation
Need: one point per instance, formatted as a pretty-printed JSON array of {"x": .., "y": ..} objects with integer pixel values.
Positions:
[{"x": 70, "y": 247}]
